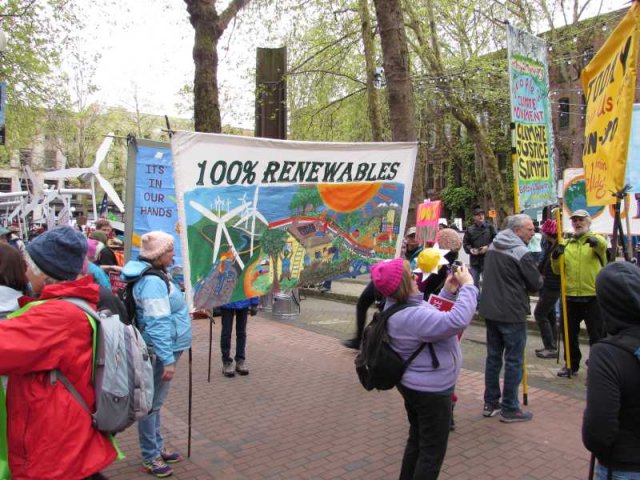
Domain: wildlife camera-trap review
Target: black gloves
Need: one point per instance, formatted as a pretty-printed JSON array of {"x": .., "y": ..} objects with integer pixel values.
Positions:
[
  {"x": 592, "y": 242},
  {"x": 559, "y": 250},
  {"x": 253, "y": 311}
]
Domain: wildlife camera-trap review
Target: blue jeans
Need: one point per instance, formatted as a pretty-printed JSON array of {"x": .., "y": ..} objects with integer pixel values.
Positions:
[
  {"x": 151, "y": 441},
  {"x": 508, "y": 340},
  {"x": 602, "y": 472},
  {"x": 241, "y": 333},
  {"x": 476, "y": 271}
]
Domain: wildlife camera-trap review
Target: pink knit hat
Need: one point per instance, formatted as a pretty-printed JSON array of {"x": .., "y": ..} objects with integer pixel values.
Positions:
[
  {"x": 92, "y": 247},
  {"x": 387, "y": 276},
  {"x": 549, "y": 227},
  {"x": 155, "y": 244}
]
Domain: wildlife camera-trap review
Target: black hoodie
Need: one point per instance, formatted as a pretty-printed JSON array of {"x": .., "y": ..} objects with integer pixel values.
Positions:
[{"x": 611, "y": 426}]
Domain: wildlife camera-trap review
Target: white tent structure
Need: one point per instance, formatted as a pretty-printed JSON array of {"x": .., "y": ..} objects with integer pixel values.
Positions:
[{"x": 92, "y": 172}]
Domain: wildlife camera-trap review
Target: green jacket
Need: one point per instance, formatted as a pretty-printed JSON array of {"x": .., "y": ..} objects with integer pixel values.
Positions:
[{"x": 581, "y": 264}]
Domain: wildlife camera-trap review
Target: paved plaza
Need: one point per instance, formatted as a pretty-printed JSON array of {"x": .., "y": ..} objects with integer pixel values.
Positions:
[{"x": 301, "y": 413}]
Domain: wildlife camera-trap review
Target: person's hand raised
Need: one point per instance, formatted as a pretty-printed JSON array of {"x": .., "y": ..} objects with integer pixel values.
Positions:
[{"x": 462, "y": 275}]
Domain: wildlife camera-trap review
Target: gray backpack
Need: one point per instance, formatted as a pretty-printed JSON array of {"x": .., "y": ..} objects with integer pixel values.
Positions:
[{"x": 122, "y": 372}]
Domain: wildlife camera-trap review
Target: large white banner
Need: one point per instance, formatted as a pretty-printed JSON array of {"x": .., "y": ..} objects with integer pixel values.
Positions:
[
  {"x": 263, "y": 215},
  {"x": 575, "y": 198}
]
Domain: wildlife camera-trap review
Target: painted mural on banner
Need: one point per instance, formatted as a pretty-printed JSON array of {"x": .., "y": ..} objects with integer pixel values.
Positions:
[
  {"x": 609, "y": 83},
  {"x": 154, "y": 200},
  {"x": 266, "y": 215},
  {"x": 427, "y": 221},
  {"x": 532, "y": 132},
  {"x": 575, "y": 198}
]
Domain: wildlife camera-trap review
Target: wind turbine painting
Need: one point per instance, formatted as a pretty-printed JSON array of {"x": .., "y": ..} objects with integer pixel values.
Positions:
[{"x": 263, "y": 216}]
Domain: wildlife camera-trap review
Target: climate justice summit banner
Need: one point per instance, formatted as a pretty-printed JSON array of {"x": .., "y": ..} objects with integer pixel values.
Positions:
[
  {"x": 532, "y": 133},
  {"x": 151, "y": 198},
  {"x": 263, "y": 215},
  {"x": 575, "y": 198},
  {"x": 609, "y": 82}
]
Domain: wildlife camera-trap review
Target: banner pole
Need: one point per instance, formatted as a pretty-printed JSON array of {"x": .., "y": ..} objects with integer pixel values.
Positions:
[
  {"x": 627, "y": 210},
  {"x": 563, "y": 293}
]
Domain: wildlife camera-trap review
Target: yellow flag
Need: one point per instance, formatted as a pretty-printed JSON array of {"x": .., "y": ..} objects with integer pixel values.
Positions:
[{"x": 609, "y": 83}]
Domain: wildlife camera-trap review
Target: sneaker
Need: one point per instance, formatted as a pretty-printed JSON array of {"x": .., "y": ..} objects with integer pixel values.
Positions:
[
  {"x": 538, "y": 350},
  {"x": 171, "y": 457},
  {"x": 241, "y": 368},
  {"x": 547, "y": 353},
  {"x": 516, "y": 416},
  {"x": 566, "y": 373},
  {"x": 353, "y": 343},
  {"x": 228, "y": 371},
  {"x": 157, "y": 468},
  {"x": 490, "y": 410}
]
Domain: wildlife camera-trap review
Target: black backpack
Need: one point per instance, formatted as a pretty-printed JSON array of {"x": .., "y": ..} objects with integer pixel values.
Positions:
[
  {"x": 126, "y": 293},
  {"x": 377, "y": 364}
]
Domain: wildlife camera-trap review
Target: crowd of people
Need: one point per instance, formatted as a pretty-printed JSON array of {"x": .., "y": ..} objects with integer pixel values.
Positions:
[
  {"x": 36, "y": 339},
  {"x": 510, "y": 265},
  {"x": 45, "y": 432}
]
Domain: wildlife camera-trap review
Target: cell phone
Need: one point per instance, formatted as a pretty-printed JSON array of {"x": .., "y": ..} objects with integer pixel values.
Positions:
[{"x": 455, "y": 265}]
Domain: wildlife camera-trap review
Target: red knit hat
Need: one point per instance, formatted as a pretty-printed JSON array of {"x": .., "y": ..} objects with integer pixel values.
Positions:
[
  {"x": 155, "y": 244},
  {"x": 387, "y": 276},
  {"x": 549, "y": 227}
]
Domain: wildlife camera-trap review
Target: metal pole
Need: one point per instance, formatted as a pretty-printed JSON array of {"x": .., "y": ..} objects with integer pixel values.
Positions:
[
  {"x": 210, "y": 342},
  {"x": 93, "y": 198},
  {"x": 190, "y": 402}
]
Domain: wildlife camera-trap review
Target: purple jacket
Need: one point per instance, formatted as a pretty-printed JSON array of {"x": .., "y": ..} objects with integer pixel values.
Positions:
[{"x": 412, "y": 326}]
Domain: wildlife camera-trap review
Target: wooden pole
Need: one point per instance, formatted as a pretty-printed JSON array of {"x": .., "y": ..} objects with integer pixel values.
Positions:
[{"x": 563, "y": 295}]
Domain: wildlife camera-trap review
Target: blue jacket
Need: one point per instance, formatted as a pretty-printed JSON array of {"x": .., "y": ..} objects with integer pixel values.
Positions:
[
  {"x": 99, "y": 275},
  {"x": 246, "y": 303},
  {"x": 163, "y": 318}
]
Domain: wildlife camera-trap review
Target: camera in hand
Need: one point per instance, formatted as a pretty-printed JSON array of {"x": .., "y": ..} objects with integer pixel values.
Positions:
[{"x": 455, "y": 265}]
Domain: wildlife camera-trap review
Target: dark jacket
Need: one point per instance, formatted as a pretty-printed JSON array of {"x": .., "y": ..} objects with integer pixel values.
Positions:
[
  {"x": 106, "y": 257},
  {"x": 510, "y": 273},
  {"x": 476, "y": 237},
  {"x": 611, "y": 426},
  {"x": 551, "y": 280}
]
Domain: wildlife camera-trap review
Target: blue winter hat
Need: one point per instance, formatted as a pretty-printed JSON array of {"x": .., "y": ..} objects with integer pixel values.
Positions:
[{"x": 59, "y": 253}]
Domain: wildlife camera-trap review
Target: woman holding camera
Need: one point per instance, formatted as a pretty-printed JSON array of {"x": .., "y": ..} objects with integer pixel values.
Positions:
[{"x": 429, "y": 380}]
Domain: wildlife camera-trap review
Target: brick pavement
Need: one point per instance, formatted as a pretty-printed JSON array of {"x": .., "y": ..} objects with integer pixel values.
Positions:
[{"x": 301, "y": 414}]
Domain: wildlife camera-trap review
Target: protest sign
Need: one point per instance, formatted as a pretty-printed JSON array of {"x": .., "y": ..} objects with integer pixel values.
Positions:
[
  {"x": 265, "y": 215},
  {"x": 427, "y": 221},
  {"x": 532, "y": 132},
  {"x": 575, "y": 198},
  {"x": 609, "y": 83},
  {"x": 150, "y": 197}
]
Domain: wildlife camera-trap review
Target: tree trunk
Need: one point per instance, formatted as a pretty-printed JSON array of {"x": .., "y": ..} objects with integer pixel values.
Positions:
[
  {"x": 395, "y": 54},
  {"x": 373, "y": 99},
  {"x": 208, "y": 27},
  {"x": 206, "y": 106}
]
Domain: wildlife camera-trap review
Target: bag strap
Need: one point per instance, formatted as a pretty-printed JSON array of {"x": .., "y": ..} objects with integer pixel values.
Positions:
[
  {"x": 56, "y": 374},
  {"x": 434, "y": 359}
]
